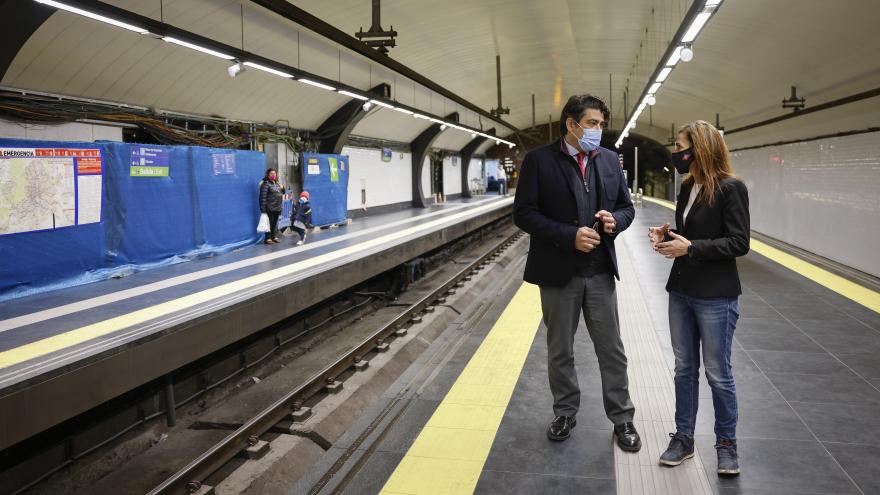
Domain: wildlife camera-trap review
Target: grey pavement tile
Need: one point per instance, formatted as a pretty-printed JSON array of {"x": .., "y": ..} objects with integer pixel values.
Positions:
[
  {"x": 841, "y": 387},
  {"x": 866, "y": 365},
  {"x": 780, "y": 340},
  {"x": 771, "y": 466},
  {"x": 525, "y": 448},
  {"x": 861, "y": 462},
  {"x": 796, "y": 362},
  {"x": 509, "y": 483},
  {"x": 759, "y": 418},
  {"x": 841, "y": 423}
]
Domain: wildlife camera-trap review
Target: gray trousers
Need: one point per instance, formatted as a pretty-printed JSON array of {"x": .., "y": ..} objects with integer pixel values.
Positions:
[{"x": 562, "y": 307}]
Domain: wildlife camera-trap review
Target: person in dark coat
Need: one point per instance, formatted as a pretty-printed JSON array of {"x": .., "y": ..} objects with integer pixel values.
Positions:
[
  {"x": 573, "y": 200},
  {"x": 271, "y": 197},
  {"x": 302, "y": 217},
  {"x": 712, "y": 216}
]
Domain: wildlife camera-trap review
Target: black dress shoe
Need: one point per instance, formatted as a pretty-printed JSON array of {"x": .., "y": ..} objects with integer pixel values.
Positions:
[
  {"x": 627, "y": 437},
  {"x": 560, "y": 428}
]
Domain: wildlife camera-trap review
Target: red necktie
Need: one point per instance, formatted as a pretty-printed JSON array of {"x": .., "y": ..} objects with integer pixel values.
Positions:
[{"x": 582, "y": 164}]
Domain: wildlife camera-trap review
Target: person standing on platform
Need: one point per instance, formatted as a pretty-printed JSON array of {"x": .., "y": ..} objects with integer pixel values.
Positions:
[
  {"x": 271, "y": 197},
  {"x": 573, "y": 200},
  {"x": 712, "y": 219},
  {"x": 302, "y": 217}
]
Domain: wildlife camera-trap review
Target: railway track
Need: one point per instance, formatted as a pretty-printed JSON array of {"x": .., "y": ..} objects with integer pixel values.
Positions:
[{"x": 290, "y": 407}]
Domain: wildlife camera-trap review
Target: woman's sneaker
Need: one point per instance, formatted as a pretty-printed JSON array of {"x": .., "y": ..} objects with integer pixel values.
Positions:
[
  {"x": 681, "y": 447},
  {"x": 728, "y": 460}
]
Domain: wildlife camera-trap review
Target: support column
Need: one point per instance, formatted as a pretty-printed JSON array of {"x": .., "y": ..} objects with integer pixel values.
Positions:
[
  {"x": 335, "y": 130},
  {"x": 420, "y": 147},
  {"x": 466, "y": 153}
]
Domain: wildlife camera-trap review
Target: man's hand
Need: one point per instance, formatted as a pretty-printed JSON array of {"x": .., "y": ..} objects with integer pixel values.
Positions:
[
  {"x": 656, "y": 234},
  {"x": 586, "y": 240},
  {"x": 608, "y": 222}
]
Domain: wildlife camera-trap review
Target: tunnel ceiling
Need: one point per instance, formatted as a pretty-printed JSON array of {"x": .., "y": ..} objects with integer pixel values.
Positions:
[{"x": 745, "y": 59}]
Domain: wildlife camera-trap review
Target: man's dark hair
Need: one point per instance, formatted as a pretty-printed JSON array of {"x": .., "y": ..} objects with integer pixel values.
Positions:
[{"x": 577, "y": 106}]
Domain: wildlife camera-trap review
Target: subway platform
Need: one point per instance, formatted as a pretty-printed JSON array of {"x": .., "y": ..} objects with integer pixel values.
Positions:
[
  {"x": 66, "y": 351},
  {"x": 470, "y": 416}
]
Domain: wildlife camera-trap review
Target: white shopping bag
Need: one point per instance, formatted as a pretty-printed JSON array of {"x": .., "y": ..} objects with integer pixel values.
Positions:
[{"x": 263, "y": 226}]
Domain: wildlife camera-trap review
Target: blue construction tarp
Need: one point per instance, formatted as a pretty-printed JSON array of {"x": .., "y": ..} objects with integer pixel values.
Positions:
[
  {"x": 325, "y": 177},
  {"x": 158, "y": 205}
]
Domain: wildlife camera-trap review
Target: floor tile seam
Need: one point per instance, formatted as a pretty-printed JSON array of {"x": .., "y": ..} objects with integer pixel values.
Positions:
[
  {"x": 875, "y": 387},
  {"x": 807, "y": 426}
]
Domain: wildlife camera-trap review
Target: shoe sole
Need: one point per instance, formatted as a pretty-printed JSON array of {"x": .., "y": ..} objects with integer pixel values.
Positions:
[
  {"x": 676, "y": 463},
  {"x": 729, "y": 472}
]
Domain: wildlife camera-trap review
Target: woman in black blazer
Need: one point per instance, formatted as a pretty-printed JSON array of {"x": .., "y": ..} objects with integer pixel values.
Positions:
[{"x": 712, "y": 219}]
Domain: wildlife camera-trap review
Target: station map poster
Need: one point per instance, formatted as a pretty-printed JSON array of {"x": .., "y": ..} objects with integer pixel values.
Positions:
[{"x": 49, "y": 188}]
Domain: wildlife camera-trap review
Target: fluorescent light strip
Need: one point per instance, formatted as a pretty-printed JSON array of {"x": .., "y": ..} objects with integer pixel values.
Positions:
[
  {"x": 696, "y": 26},
  {"x": 713, "y": 3},
  {"x": 316, "y": 84},
  {"x": 92, "y": 15},
  {"x": 269, "y": 70},
  {"x": 353, "y": 95},
  {"x": 420, "y": 116},
  {"x": 663, "y": 74},
  {"x": 382, "y": 104},
  {"x": 654, "y": 88},
  {"x": 436, "y": 121},
  {"x": 198, "y": 48},
  {"x": 403, "y": 110},
  {"x": 674, "y": 58}
]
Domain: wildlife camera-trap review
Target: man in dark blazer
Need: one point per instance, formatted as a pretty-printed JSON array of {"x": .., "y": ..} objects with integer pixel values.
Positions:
[{"x": 573, "y": 200}]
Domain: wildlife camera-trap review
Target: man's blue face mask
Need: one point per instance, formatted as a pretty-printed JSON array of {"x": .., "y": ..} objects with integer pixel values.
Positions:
[{"x": 590, "y": 139}]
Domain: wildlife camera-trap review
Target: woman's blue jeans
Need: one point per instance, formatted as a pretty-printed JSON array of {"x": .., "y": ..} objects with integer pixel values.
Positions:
[{"x": 708, "y": 321}]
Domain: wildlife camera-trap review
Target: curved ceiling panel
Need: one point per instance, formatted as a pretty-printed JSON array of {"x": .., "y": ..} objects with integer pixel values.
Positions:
[{"x": 745, "y": 59}]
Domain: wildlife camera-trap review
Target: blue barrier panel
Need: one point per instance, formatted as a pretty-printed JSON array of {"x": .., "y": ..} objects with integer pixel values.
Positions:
[
  {"x": 325, "y": 177},
  {"x": 133, "y": 207}
]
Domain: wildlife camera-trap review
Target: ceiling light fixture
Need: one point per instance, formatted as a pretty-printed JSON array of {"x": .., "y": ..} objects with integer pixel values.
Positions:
[
  {"x": 352, "y": 95},
  {"x": 403, "y": 110},
  {"x": 92, "y": 15},
  {"x": 269, "y": 70},
  {"x": 687, "y": 53},
  {"x": 664, "y": 74},
  {"x": 696, "y": 26},
  {"x": 317, "y": 84},
  {"x": 234, "y": 69},
  {"x": 382, "y": 104},
  {"x": 198, "y": 48}
]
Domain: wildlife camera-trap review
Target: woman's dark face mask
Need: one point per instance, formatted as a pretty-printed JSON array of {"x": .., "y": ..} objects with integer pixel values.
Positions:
[{"x": 682, "y": 160}]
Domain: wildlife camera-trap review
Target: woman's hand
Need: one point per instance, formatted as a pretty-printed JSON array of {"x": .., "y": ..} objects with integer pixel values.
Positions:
[
  {"x": 656, "y": 234},
  {"x": 678, "y": 246}
]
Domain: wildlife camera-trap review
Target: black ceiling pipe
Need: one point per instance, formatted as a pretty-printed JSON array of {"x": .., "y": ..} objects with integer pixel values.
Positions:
[{"x": 293, "y": 13}]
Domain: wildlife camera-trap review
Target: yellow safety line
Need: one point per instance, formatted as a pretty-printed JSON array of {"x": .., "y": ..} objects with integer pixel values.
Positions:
[
  {"x": 848, "y": 289},
  {"x": 448, "y": 455},
  {"x": 106, "y": 327}
]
